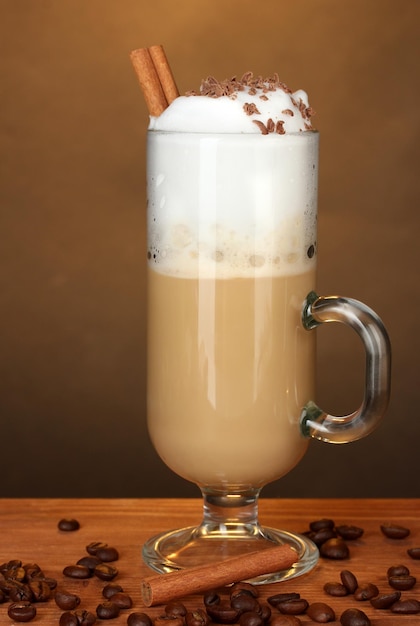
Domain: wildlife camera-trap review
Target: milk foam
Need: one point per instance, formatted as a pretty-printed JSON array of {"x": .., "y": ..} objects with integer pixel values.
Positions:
[
  {"x": 232, "y": 205},
  {"x": 227, "y": 115}
]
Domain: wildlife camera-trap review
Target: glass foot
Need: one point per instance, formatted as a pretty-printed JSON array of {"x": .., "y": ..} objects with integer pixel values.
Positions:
[{"x": 192, "y": 546}]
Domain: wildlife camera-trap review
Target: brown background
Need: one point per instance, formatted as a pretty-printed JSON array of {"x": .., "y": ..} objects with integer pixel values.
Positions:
[{"x": 72, "y": 211}]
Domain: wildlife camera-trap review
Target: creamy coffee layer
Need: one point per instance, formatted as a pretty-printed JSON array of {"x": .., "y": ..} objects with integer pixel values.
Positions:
[{"x": 231, "y": 205}]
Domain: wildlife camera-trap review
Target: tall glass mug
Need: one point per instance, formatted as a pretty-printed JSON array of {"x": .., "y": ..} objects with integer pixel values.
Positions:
[{"x": 232, "y": 247}]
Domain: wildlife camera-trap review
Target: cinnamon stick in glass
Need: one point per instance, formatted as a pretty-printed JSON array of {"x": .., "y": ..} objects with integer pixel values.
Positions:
[{"x": 164, "y": 588}]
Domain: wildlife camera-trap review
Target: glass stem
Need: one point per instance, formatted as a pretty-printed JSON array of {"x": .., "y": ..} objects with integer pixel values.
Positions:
[{"x": 233, "y": 514}]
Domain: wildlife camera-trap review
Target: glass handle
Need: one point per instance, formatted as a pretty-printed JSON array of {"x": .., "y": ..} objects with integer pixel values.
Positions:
[{"x": 315, "y": 422}]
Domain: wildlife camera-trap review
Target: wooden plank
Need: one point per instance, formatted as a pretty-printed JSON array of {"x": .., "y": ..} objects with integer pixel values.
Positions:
[{"x": 28, "y": 531}]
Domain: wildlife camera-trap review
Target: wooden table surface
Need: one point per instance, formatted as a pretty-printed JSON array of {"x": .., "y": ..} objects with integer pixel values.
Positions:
[{"x": 28, "y": 531}]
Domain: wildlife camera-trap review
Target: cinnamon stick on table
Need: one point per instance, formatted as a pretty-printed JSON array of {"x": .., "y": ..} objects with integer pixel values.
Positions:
[
  {"x": 155, "y": 77},
  {"x": 164, "y": 588}
]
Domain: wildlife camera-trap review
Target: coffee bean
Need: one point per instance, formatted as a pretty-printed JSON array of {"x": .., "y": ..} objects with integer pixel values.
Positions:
[
  {"x": 335, "y": 549},
  {"x": 242, "y": 587},
  {"x": 349, "y": 533},
  {"x": 122, "y": 600},
  {"x": 111, "y": 589},
  {"x": 321, "y": 613},
  {"x": 402, "y": 583},
  {"x": 104, "y": 571},
  {"x": 251, "y": 618},
  {"x": 40, "y": 590},
  {"x": 21, "y": 611},
  {"x": 211, "y": 597},
  {"x": 366, "y": 592},
  {"x": 77, "y": 571},
  {"x": 410, "y": 606},
  {"x": 94, "y": 546},
  {"x": 349, "y": 580},
  {"x": 386, "y": 600},
  {"x": 107, "y": 610},
  {"x": 354, "y": 617},
  {"x": 85, "y": 618},
  {"x": 89, "y": 561},
  {"x": 107, "y": 554},
  {"x": 196, "y": 618},
  {"x": 285, "y": 620},
  {"x": 244, "y": 602},
  {"x": 414, "y": 553},
  {"x": 65, "y": 600},
  {"x": 19, "y": 592},
  {"x": 68, "y": 619},
  {"x": 139, "y": 619},
  {"x": 175, "y": 609},
  {"x": 222, "y": 613},
  {"x": 398, "y": 570},
  {"x": 68, "y": 525},
  {"x": 337, "y": 590},
  {"x": 321, "y": 523},
  {"x": 293, "y": 607},
  {"x": 265, "y": 612},
  {"x": 322, "y": 535},
  {"x": 282, "y": 597},
  {"x": 393, "y": 531}
]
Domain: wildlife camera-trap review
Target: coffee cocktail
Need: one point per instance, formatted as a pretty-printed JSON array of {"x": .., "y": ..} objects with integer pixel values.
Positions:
[{"x": 232, "y": 247}]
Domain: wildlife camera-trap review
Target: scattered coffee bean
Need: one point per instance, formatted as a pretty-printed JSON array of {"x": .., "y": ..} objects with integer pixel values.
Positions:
[
  {"x": 349, "y": 580},
  {"x": 337, "y": 590},
  {"x": 398, "y": 570},
  {"x": 402, "y": 583},
  {"x": 322, "y": 535},
  {"x": 122, "y": 600},
  {"x": 222, "y": 613},
  {"x": 107, "y": 610},
  {"x": 349, "y": 533},
  {"x": 386, "y": 600},
  {"x": 335, "y": 549},
  {"x": 366, "y": 592},
  {"x": 68, "y": 525},
  {"x": 410, "y": 606},
  {"x": 107, "y": 554},
  {"x": 321, "y": 523},
  {"x": 77, "y": 571},
  {"x": 139, "y": 619},
  {"x": 40, "y": 590},
  {"x": 19, "y": 592},
  {"x": 211, "y": 598},
  {"x": 21, "y": 611},
  {"x": 282, "y": 597},
  {"x": 111, "y": 589},
  {"x": 393, "y": 531},
  {"x": 244, "y": 602},
  {"x": 68, "y": 619},
  {"x": 89, "y": 561},
  {"x": 104, "y": 571},
  {"x": 175, "y": 609},
  {"x": 251, "y": 618},
  {"x": 85, "y": 618},
  {"x": 94, "y": 546},
  {"x": 354, "y": 617},
  {"x": 321, "y": 613},
  {"x": 265, "y": 612},
  {"x": 293, "y": 607},
  {"x": 239, "y": 588},
  {"x": 65, "y": 600},
  {"x": 414, "y": 553},
  {"x": 198, "y": 617}
]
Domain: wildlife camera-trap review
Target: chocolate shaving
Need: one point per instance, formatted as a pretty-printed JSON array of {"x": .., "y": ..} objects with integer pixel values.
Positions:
[
  {"x": 214, "y": 88},
  {"x": 288, "y": 112},
  {"x": 261, "y": 126},
  {"x": 250, "y": 108}
]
